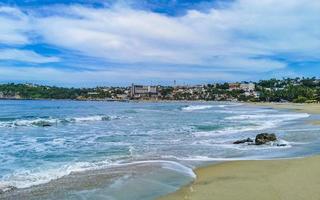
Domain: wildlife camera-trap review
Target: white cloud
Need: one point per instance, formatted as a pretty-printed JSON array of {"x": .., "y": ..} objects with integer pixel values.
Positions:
[
  {"x": 246, "y": 36},
  {"x": 14, "y": 26},
  {"x": 233, "y": 38},
  {"x": 25, "y": 56},
  {"x": 103, "y": 77}
]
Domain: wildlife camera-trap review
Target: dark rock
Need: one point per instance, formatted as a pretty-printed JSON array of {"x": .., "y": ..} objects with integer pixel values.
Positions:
[
  {"x": 42, "y": 124},
  {"x": 264, "y": 138},
  {"x": 46, "y": 124},
  {"x": 249, "y": 140},
  {"x": 4, "y": 189},
  {"x": 281, "y": 145}
]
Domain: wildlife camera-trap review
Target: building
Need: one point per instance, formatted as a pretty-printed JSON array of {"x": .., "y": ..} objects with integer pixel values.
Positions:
[
  {"x": 140, "y": 91},
  {"x": 234, "y": 86},
  {"x": 247, "y": 87},
  {"x": 93, "y": 93}
]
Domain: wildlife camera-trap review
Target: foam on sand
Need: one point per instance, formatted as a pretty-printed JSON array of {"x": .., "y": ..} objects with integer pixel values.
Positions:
[{"x": 28, "y": 178}]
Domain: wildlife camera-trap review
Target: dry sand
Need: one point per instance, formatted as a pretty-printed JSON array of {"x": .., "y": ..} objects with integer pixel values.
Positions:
[{"x": 297, "y": 179}]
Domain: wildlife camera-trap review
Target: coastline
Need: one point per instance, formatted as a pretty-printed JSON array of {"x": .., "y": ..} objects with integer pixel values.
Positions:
[
  {"x": 312, "y": 108},
  {"x": 73, "y": 177},
  {"x": 284, "y": 179},
  {"x": 251, "y": 180}
]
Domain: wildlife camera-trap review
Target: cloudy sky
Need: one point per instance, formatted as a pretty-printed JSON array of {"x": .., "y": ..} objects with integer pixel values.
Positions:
[{"x": 96, "y": 42}]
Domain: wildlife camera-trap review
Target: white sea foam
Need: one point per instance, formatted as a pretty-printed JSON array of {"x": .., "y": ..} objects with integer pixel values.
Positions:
[
  {"x": 237, "y": 129},
  {"x": 246, "y": 147},
  {"x": 28, "y": 178},
  {"x": 54, "y": 121},
  {"x": 283, "y": 117},
  {"x": 89, "y": 118},
  {"x": 222, "y": 107},
  {"x": 207, "y": 159},
  {"x": 205, "y": 107},
  {"x": 166, "y": 164},
  {"x": 255, "y": 122},
  {"x": 197, "y": 107}
]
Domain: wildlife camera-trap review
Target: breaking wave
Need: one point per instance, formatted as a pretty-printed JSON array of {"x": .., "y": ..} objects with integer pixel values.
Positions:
[
  {"x": 255, "y": 122},
  {"x": 197, "y": 107},
  {"x": 49, "y": 121},
  {"x": 28, "y": 178},
  {"x": 283, "y": 117}
]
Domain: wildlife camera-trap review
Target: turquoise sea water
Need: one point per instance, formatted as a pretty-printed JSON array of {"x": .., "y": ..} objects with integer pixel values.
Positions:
[{"x": 136, "y": 151}]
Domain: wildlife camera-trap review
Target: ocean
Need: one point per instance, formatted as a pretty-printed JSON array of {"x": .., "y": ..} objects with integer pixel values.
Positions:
[{"x": 133, "y": 150}]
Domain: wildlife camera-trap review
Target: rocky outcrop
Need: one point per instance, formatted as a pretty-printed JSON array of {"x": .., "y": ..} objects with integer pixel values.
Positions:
[
  {"x": 42, "y": 123},
  {"x": 260, "y": 139},
  {"x": 248, "y": 140},
  {"x": 264, "y": 138},
  {"x": 6, "y": 188}
]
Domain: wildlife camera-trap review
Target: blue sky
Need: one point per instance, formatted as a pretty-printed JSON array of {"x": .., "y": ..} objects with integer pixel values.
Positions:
[{"x": 94, "y": 42}]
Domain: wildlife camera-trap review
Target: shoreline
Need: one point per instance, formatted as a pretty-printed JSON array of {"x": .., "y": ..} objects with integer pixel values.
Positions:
[
  {"x": 57, "y": 180},
  {"x": 250, "y": 180},
  {"x": 283, "y": 179},
  {"x": 312, "y": 108}
]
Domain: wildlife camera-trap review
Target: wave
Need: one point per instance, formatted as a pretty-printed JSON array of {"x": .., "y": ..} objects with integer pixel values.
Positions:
[
  {"x": 49, "y": 121},
  {"x": 93, "y": 118},
  {"x": 212, "y": 159},
  {"x": 236, "y": 129},
  {"x": 256, "y": 122},
  {"x": 284, "y": 117},
  {"x": 205, "y": 107},
  {"x": 165, "y": 164},
  {"x": 197, "y": 107},
  {"x": 280, "y": 144},
  {"x": 28, "y": 178}
]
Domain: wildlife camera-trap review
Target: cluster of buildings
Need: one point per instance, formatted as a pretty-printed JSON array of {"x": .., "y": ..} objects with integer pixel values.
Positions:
[
  {"x": 9, "y": 96},
  {"x": 287, "y": 89},
  {"x": 248, "y": 88},
  {"x": 229, "y": 91},
  {"x": 194, "y": 92}
]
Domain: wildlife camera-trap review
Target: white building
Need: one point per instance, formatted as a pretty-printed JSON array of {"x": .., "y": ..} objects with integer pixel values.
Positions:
[
  {"x": 247, "y": 87},
  {"x": 143, "y": 91}
]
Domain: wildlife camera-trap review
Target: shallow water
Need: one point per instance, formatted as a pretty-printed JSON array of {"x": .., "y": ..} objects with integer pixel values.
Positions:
[{"x": 93, "y": 150}]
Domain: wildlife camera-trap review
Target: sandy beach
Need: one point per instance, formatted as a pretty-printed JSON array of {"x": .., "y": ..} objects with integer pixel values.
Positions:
[
  {"x": 298, "y": 107},
  {"x": 291, "y": 179},
  {"x": 251, "y": 180}
]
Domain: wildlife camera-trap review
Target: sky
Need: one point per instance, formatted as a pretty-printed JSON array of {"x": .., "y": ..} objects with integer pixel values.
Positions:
[{"x": 87, "y": 43}]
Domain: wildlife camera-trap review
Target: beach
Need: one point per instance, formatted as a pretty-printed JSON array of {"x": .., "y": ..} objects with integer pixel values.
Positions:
[
  {"x": 251, "y": 180},
  {"x": 287, "y": 179},
  {"x": 93, "y": 150},
  {"x": 311, "y": 108}
]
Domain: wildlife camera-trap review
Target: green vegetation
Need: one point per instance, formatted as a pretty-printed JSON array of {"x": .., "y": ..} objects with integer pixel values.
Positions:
[
  {"x": 298, "y": 90},
  {"x": 30, "y": 91},
  {"x": 293, "y": 90}
]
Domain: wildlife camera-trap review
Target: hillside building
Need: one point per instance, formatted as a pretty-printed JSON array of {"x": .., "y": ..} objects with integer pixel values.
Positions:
[{"x": 140, "y": 91}]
